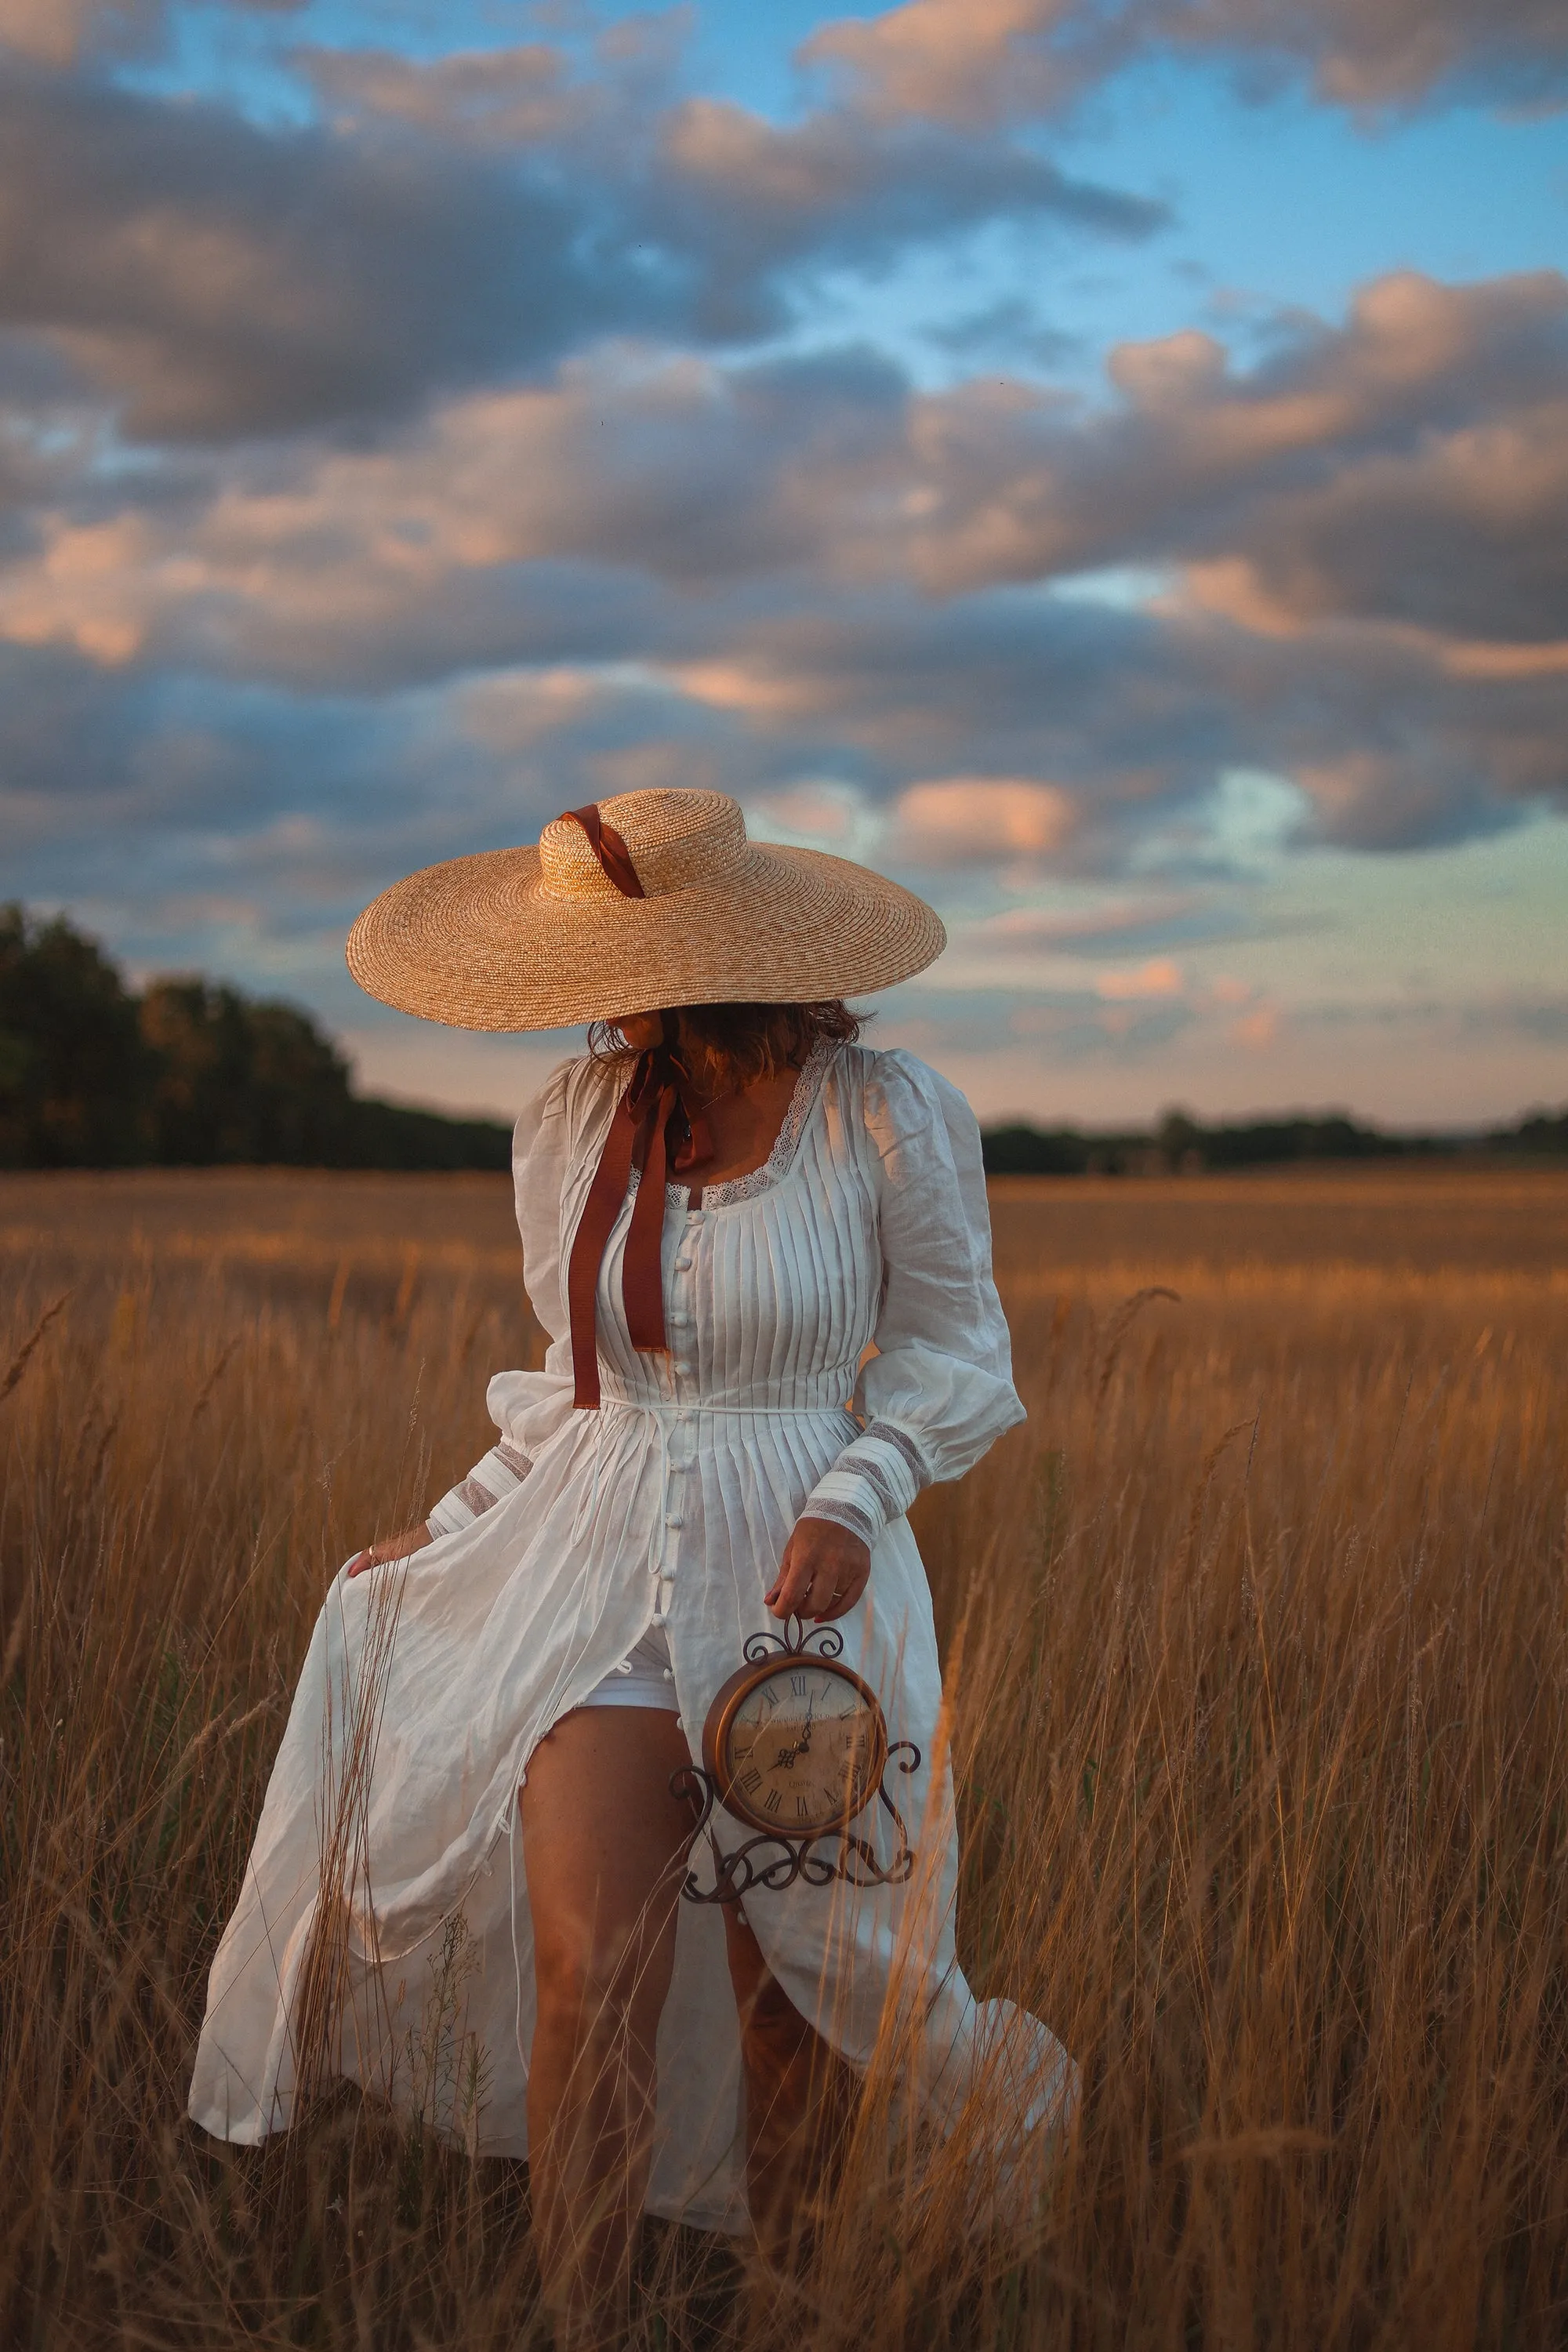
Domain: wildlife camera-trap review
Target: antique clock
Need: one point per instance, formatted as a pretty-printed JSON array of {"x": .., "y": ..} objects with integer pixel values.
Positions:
[{"x": 795, "y": 1747}]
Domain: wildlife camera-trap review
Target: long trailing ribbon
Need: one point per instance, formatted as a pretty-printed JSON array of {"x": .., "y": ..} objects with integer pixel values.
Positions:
[{"x": 654, "y": 1122}]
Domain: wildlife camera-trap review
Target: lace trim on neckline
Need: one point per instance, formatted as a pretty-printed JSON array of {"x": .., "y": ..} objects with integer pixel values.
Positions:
[{"x": 761, "y": 1179}]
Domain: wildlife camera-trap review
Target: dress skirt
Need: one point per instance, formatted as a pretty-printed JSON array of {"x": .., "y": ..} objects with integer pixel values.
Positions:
[{"x": 834, "y": 1339}]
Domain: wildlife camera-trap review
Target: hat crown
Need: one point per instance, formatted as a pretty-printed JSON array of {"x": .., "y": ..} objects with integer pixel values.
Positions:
[{"x": 678, "y": 840}]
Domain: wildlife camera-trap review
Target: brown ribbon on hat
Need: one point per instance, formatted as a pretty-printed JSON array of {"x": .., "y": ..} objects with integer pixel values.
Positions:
[
  {"x": 609, "y": 848},
  {"x": 656, "y": 1122}
]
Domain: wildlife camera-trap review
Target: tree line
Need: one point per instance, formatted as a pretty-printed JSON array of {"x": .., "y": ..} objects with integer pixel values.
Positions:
[
  {"x": 185, "y": 1074},
  {"x": 1181, "y": 1145}
]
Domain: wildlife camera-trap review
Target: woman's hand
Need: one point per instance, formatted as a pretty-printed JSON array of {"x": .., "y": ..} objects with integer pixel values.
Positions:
[
  {"x": 823, "y": 1572},
  {"x": 411, "y": 1541}
]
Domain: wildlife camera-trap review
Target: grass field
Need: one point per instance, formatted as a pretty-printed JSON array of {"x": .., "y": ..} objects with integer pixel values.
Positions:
[{"x": 1257, "y": 1635}]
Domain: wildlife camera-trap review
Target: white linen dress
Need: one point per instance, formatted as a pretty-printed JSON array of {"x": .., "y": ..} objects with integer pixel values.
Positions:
[{"x": 581, "y": 1532}]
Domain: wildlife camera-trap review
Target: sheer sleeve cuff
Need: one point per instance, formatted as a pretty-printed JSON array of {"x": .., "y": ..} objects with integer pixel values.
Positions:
[
  {"x": 843, "y": 1514},
  {"x": 500, "y": 1472},
  {"x": 873, "y": 1482}
]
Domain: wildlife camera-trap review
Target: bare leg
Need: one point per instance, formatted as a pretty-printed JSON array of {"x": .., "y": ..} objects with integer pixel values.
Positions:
[
  {"x": 798, "y": 2094},
  {"x": 603, "y": 1840}
]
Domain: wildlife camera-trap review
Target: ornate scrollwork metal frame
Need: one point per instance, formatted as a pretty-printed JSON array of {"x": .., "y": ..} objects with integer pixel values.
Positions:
[{"x": 818, "y": 1859}]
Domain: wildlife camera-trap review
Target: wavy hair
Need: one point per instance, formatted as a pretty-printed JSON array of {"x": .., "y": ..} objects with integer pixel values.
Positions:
[{"x": 728, "y": 1046}]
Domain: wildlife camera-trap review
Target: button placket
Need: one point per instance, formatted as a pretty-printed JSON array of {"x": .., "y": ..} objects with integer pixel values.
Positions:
[
  {"x": 664, "y": 1567},
  {"x": 680, "y": 1316}
]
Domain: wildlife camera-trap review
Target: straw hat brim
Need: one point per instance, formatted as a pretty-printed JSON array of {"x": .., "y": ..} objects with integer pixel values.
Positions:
[{"x": 477, "y": 943}]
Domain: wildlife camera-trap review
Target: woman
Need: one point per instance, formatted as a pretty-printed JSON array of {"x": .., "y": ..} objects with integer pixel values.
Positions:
[{"x": 761, "y": 1254}]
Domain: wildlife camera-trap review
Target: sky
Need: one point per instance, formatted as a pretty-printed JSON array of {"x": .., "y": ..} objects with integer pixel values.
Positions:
[{"x": 1102, "y": 462}]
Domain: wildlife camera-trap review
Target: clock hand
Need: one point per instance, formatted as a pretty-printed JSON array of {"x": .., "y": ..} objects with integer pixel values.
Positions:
[{"x": 802, "y": 1746}]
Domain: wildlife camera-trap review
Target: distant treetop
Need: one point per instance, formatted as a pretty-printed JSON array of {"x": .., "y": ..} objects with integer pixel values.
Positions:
[
  {"x": 1181, "y": 1144},
  {"x": 186, "y": 1074}
]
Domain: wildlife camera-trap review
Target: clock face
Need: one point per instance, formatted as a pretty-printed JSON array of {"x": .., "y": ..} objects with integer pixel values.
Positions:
[{"x": 800, "y": 1747}]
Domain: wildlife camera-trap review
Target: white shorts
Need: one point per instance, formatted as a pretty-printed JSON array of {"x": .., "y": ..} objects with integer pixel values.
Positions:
[{"x": 646, "y": 1678}]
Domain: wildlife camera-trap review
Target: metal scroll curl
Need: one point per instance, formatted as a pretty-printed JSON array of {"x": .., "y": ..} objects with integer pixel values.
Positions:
[
  {"x": 821, "y": 1642},
  {"x": 816, "y": 1860}
]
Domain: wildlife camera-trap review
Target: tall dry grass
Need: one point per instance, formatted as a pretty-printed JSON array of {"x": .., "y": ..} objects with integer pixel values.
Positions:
[{"x": 1258, "y": 1642}]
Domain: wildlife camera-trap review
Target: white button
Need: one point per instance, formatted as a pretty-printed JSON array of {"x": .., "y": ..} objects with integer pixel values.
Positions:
[
  {"x": 659, "y": 1618},
  {"x": 683, "y": 1265},
  {"x": 680, "y": 1723},
  {"x": 673, "y": 1519},
  {"x": 669, "y": 1674}
]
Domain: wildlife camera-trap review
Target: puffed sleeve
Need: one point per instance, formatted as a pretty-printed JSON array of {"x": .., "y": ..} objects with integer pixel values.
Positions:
[
  {"x": 528, "y": 1408},
  {"x": 939, "y": 1390}
]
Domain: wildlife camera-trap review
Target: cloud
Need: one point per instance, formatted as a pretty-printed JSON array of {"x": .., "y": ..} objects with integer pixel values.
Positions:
[
  {"x": 1106, "y": 926},
  {"x": 1008, "y": 328},
  {"x": 1379, "y": 53},
  {"x": 87, "y": 754},
  {"x": 1407, "y": 463},
  {"x": 55, "y": 32},
  {"x": 1391, "y": 753},
  {"x": 495, "y": 101},
  {"x": 970, "y": 61},
  {"x": 1135, "y": 717},
  {"x": 965, "y": 820},
  {"x": 208, "y": 822},
  {"x": 457, "y": 542},
  {"x": 60, "y": 32},
  {"x": 1160, "y": 977},
  {"x": 989, "y": 61},
  {"x": 748, "y": 199},
  {"x": 1257, "y": 1030},
  {"x": 728, "y": 209},
  {"x": 213, "y": 280},
  {"x": 1354, "y": 552},
  {"x": 789, "y": 554},
  {"x": 1102, "y": 703},
  {"x": 446, "y": 222}
]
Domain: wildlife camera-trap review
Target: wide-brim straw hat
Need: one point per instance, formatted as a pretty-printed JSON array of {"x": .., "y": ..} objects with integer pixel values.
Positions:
[{"x": 542, "y": 938}]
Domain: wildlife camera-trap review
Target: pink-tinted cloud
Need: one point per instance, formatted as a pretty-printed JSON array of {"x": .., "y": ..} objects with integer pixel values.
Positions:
[
  {"x": 1161, "y": 976},
  {"x": 990, "y": 62},
  {"x": 62, "y": 32},
  {"x": 972, "y": 820}
]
